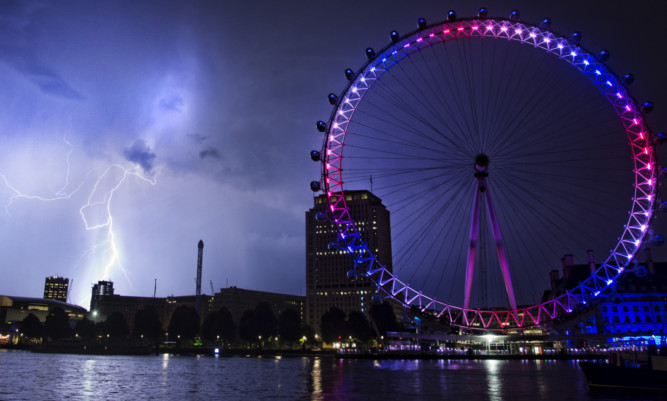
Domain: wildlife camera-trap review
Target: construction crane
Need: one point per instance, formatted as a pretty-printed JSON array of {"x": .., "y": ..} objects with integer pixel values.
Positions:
[{"x": 212, "y": 290}]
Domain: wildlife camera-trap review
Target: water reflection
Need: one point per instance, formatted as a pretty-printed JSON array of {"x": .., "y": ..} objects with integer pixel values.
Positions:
[
  {"x": 78, "y": 377},
  {"x": 493, "y": 379}
]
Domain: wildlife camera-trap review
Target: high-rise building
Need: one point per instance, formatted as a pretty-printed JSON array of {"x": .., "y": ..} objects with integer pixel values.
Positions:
[
  {"x": 327, "y": 284},
  {"x": 56, "y": 287},
  {"x": 100, "y": 289}
]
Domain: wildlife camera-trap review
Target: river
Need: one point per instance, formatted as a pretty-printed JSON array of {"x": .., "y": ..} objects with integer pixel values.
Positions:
[{"x": 28, "y": 376}]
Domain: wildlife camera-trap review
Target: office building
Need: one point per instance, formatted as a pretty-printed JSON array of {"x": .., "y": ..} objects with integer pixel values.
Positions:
[
  {"x": 57, "y": 288},
  {"x": 327, "y": 284}
]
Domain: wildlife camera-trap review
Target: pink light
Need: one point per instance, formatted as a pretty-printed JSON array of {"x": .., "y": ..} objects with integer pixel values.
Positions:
[
  {"x": 431, "y": 35},
  {"x": 475, "y": 27},
  {"x": 419, "y": 39},
  {"x": 504, "y": 29},
  {"x": 634, "y": 121},
  {"x": 627, "y": 107},
  {"x": 329, "y": 151},
  {"x": 328, "y": 166},
  {"x": 459, "y": 28},
  {"x": 407, "y": 45},
  {"x": 646, "y": 150},
  {"x": 532, "y": 34},
  {"x": 489, "y": 27},
  {"x": 560, "y": 46},
  {"x": 446, "y": 31},
  {"x": 547, "y": 40},
  {"x": 519, "y": 31},
  {"x": 641, "y": 136},
  {"x": 618, "y": 95}
]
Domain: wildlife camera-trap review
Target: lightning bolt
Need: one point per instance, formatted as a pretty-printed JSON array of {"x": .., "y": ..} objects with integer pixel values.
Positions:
[
  {"x": 98, "y": 203},
  {"x": 105, "y": 203}
]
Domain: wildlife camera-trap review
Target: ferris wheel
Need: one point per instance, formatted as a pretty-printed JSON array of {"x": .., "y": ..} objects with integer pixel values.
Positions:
[{"x": 498, "y": 146}]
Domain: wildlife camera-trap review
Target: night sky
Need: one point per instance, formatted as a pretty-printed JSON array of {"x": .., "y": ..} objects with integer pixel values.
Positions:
[{"x": 131, "y": 130}]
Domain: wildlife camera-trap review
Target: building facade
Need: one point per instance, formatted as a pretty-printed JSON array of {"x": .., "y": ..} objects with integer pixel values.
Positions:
[
  {"x": 104, "y": 302},
  {"x": 633, "y": 311},
  {"x": 57, "y": 288},
  {"x": 327, "y": 284},
  {"x": 238, "y": 300}
]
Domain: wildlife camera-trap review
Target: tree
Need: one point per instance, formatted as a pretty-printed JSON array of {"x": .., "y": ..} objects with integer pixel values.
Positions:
[
  {"x": 247, "y": 329},
  {"x": 382, "y": 315},
  {"x": 85, "y": 328},
  {"x": 289, "y": 326},
  {"x": 358, "y": 326},
  {"x": 184, "y": 322},
  {"x": 116, "y": 325},
  {"x": 31, "y": 327},
  {"x": 265, "y": 321},
  {"x": 57, "y": 325},
  {"x": 147, "y": 323},
  {"x": 219, "y": 324},
  {"x": 332, "y": 325}
]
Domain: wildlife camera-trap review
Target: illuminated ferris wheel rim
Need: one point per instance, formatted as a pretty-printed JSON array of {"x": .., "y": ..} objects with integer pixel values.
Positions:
[{"x": 628, "y": 111}]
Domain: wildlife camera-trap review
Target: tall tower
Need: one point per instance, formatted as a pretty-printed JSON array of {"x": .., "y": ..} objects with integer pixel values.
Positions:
[
  {"x": 200, "y": 254},
  {"x": 327, "y": 284},
  {"x": 56, "y": 288}
]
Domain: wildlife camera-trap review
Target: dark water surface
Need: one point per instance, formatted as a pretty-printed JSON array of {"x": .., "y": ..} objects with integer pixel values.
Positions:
[{"x": 27, "y": 376}]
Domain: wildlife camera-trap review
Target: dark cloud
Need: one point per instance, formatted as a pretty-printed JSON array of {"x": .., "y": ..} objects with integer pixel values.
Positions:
[
  {"x": 210, "y": 152},
  {"x": 15, "y": 51},
  {"x": 197, "y": 138},
  {"x": 141, "y": 154},
  {"x": 171, "y": 103}
]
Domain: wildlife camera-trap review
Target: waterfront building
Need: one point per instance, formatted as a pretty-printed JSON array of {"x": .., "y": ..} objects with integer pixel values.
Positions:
[
  {"x": 238, "y": 300},
  {"x": 104, "y": 302},
  {"x": 634, "y": 310},
  {"x": 327, "y": 265},
  {"x": 57, "y": 288},
  {"x": 14, "y": 309}
]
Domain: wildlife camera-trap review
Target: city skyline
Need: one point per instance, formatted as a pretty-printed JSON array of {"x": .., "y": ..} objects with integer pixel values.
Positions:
[{"x": 194, "y": 122}]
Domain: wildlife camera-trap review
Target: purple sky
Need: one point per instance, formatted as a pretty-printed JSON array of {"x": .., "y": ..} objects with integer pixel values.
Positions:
[{"x": 131, "y": 130}]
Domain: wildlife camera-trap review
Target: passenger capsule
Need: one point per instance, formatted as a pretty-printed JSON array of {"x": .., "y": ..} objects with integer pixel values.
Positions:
[
  {"x": 661, "y": 138},
  {"x": 647, "y": 107},
  {"x": 627, "y": 79},
  {"x": 482, "y": 13},
  {"x": 315, "y": 155},
  {"x": 546, "y": 23},
  {"x": 333, "y": 99},
  {"x": 321, "y": 126},
  {"x": 514, "y": 15},
  {"x": 451, "y": 15},
  {"x": 421, "y": 23},
  {"x": 321, "y": 217},
  {"x": 349, "y": 74},
  {"x": 333, "y": 246},
  {"x": 395, "y": 37},
  {"x": 315, "y": 186},
  {"x": 604, "y": 56},
  {"x": 576, "y": 37},
  {"x": 370, "y": 53},
  {"x": 352, "y": 274},
  {"x": 657, "y": 240}
]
